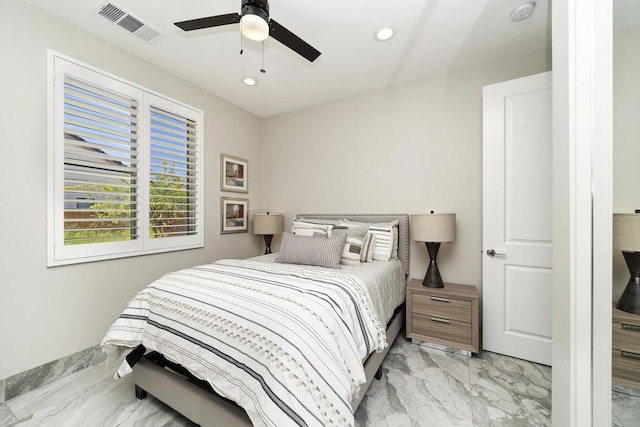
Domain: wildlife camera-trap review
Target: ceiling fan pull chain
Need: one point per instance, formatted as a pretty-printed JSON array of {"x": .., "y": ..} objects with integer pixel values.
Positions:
[
  {"x": 262, "y": 70},
  {"x": 241, "y": 49}
]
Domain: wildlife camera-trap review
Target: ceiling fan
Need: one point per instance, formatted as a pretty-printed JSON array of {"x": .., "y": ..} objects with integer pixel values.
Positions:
[{"x": 255, "y": 25}]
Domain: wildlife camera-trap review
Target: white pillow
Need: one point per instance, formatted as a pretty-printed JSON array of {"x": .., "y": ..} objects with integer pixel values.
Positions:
[
  {"x": 383, "y": 244},
  {"x": 303, "y": 228},
  {"x": 320, "y": 221}
]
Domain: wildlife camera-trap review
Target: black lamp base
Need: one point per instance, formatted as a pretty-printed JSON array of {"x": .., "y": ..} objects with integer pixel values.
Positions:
[
  {"x": 267, "y": 241},
  {"x": 630, "y": 299},
  {"x": 433, "y": 279}
]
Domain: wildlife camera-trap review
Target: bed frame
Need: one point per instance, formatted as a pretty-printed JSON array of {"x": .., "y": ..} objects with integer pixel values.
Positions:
[{"x": 197, "y": 402}]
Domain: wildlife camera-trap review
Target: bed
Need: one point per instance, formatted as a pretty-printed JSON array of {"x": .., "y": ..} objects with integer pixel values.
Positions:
[{"x": 322, "y": 384}]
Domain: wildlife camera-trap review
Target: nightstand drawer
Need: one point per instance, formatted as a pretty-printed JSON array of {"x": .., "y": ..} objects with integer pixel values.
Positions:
[
  {"x": 625, "y": 368},
  {"x": 442, "y": 306},
  {"x": 441, "y": 328},
  {"x": 626, "y": 337}
]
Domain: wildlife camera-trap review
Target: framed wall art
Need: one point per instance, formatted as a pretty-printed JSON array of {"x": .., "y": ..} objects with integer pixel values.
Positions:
[
  {"x": 234, "y": 215},
  {"x": 234, "y": 173}
]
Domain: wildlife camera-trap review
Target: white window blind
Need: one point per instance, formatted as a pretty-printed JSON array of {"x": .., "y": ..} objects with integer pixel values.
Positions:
[
  {"x": 173, "y": 169},
  {"x": 125, "y": 168},
  {"x": 100, "y": 164}
]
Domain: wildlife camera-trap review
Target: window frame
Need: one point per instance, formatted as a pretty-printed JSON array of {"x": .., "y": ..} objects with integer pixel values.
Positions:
[{"x": 57, "y": 252}]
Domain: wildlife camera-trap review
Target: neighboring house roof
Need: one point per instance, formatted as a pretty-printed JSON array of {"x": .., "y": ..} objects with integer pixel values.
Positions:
[{"x": 75, "y": 137}]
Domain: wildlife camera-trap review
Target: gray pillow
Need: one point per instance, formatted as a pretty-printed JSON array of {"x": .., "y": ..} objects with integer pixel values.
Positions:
[
  {"x": 311, "y": 250},
  {"x": 352, "y": 251}
]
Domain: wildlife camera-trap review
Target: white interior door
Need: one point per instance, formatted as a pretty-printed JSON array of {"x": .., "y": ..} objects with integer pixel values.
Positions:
[{"x": 517, "y": 218}]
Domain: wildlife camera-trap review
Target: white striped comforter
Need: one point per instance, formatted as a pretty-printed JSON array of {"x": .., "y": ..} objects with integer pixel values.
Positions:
[{"x": 284, "y": 342}]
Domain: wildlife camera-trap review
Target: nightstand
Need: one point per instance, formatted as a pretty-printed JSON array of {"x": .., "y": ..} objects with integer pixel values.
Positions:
[
  {"x": 625, "y": 358},
  {"x": 445, "y": 316}
]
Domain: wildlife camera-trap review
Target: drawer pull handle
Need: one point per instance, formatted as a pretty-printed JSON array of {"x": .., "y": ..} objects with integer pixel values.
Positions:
[
  {"x": 440, "y": 319},
  {"x": 441, "y": 299},
  {"x": 627, "y": 354},
  {"x": 632, "y": 327}
]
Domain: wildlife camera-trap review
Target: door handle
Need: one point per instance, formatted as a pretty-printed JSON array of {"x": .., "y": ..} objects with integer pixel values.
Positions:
[{"x": 493, "y": 253}]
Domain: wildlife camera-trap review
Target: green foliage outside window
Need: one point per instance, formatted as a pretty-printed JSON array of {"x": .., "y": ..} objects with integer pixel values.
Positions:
[{"x": 115, "y": 215}]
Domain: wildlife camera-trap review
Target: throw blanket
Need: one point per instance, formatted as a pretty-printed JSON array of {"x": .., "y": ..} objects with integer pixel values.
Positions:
[{"x": 284, "y": 342}]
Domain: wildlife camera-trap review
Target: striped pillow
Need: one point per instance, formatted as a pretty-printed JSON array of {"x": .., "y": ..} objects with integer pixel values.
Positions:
[
  {"x": 319, "y": 221},
  {"x": 366, "y": 255},
  {"x": 381, "y": 254},
  {"x": 309, "y": 250},
  {"x": 383, "y": 245},
  {"x": 303, "y": 228},
  {"x": 352, "y": 250}
]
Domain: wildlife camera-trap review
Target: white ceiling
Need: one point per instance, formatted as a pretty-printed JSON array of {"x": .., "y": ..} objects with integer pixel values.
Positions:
[{"x": 433, "y": 36}]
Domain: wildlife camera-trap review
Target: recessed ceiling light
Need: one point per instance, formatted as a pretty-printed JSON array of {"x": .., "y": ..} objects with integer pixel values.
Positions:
[
  {"x": 250, "y": 81},
  {"x": 384, "y": 34}
]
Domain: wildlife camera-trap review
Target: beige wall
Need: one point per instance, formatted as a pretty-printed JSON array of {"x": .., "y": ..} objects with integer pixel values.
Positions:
[
  {"x": 412, "y": 148},
  {"x": 626, "y": 138},
  {"x": 49, "y": 313}
]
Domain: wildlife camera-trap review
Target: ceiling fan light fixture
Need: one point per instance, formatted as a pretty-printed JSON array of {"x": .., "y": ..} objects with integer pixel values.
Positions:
[
  {"x": 384, "y": 34},
  {"x": 254, "y": 27}
]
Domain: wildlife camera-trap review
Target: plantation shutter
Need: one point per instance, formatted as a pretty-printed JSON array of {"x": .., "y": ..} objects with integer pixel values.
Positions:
[
  {"x": 124, "y": 168},
  {"x": 100, "y": 164},
  {"x": 173, "y": 173}
]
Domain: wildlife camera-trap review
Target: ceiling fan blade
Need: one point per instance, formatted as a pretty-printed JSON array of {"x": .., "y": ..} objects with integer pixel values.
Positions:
[
  {"x": 292, "y": 41},
  {"x": 208, "y": 22}
]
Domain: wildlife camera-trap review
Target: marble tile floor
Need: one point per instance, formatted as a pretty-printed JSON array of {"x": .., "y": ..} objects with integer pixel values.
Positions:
[{"x": 420, "y": 387}]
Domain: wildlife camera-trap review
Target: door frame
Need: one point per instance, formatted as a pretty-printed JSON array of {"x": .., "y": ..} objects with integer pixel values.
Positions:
[{"x": 582, "y": 171}]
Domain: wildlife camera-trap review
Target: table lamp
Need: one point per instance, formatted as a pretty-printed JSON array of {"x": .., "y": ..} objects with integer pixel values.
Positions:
[
  {"x": 626, "y": 237},
  {"x": 433, "y": 229},
  {"x": 268, "y": 224}
]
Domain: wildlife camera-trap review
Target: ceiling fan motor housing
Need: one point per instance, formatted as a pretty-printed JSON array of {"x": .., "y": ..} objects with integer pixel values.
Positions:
[{"x": 256, "y": 7}]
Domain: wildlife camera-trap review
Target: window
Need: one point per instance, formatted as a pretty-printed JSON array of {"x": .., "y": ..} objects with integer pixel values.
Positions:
[{"x": 124, "y": 168}]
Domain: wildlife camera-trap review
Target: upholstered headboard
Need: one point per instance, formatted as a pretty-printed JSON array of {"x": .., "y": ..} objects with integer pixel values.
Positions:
[{"x": 403, "y": 229}]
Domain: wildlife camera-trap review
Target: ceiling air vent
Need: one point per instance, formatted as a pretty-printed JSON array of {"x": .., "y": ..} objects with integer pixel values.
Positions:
[{"x": 129, "y": 22}]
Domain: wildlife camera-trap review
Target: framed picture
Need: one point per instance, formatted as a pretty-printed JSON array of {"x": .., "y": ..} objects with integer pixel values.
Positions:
[
  {"x": 234, "y": 216},
  {"x": 234, "y": 173}
]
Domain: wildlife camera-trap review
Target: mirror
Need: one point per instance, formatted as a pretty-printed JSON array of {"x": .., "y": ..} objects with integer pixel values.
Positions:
[{"x": 626, "y": 167}]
